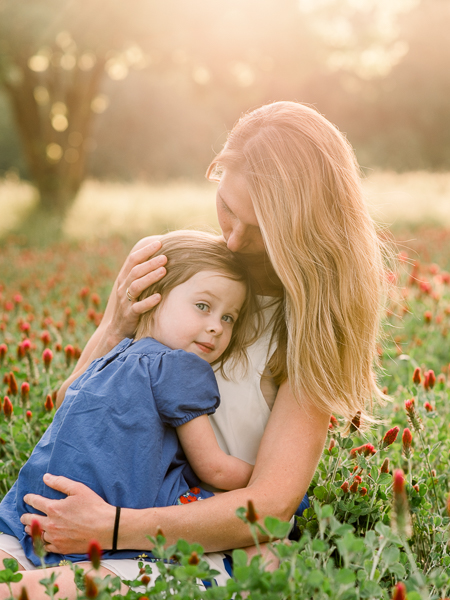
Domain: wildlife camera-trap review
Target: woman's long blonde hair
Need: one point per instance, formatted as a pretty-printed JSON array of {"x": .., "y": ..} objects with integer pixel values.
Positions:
[{"x": 305, "y": 186}]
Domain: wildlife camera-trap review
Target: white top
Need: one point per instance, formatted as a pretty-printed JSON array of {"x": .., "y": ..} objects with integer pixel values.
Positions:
[{"x": 242, "y": 416}]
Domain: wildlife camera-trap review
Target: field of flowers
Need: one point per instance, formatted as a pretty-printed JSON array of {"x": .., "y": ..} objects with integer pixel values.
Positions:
[{"x": 378, "y": 526}]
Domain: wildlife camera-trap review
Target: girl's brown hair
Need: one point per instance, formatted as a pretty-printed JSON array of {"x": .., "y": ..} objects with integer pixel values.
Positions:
[
  {"x": 305, "y": 187},
  {"x": 188, "y": 253}
]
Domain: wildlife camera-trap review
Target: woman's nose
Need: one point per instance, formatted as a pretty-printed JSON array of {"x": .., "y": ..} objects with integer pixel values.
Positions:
[{"x": 237, "y": 239}]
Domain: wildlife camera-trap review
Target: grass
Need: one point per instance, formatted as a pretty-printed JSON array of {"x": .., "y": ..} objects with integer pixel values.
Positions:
[{"x": 103, "y": 209}]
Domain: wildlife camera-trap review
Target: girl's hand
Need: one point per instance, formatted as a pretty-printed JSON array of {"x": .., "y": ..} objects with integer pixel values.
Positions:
[
  {"x": 71, "y": 523},
  {"x": 136, "y": 275}
]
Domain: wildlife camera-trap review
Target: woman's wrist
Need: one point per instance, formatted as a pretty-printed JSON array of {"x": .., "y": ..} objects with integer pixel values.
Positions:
[{"x": 134, "y": 527}]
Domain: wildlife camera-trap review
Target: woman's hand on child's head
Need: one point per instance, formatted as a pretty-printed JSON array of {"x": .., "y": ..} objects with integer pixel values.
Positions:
[{"x": 138, "y": 273}]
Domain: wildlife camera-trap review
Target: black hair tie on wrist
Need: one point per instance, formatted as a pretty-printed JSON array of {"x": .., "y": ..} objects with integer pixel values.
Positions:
[{"x": 116, "y": 528}]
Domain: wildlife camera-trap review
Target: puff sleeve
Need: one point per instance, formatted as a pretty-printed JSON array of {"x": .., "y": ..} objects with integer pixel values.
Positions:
[{"x": 184, "y": 387}]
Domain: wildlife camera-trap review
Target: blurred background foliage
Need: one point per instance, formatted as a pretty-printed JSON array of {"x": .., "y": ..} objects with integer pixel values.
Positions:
[{"x": 147, "y": 90}]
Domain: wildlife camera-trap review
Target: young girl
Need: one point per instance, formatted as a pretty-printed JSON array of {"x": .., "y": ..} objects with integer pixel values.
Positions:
[{"x": 120, "y": 427}]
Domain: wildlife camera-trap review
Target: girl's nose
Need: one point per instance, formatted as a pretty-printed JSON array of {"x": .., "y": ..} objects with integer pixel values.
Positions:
[{"x": 215, "y": 327}]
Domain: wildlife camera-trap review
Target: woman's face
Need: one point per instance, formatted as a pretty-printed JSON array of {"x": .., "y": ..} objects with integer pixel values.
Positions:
[{"x": 236, "y": 215}]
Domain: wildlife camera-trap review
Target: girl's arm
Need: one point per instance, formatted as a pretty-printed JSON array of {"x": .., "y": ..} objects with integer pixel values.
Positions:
[
  {"x": 209, "y": 462},
  {"x": 290, "y": 450},
  {"x": 121, "y": 316}
]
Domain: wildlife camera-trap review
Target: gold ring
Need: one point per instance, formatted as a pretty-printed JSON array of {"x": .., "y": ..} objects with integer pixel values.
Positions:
[{"x": 129, "y": 296}]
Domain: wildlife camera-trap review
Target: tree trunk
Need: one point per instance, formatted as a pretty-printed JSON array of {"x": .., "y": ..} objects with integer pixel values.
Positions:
[{"x": 53, "y": 114}]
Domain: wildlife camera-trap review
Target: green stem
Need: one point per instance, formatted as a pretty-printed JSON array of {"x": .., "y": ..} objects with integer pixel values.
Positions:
[
  {"x": 377, "y": 559},
  {"x": 413, "y": 564},
  {"x": 429, "y": 469},
  {"x": 11, "y": 435}
]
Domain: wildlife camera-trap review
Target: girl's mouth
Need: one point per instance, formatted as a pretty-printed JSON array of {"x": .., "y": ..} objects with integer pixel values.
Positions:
[{"x": 205, "y": 347}]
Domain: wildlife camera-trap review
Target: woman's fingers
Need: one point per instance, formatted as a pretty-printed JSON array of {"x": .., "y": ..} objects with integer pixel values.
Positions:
[
  {"x": 72, "y": 521},
  {"x": 39, "y": 503},
  {"x": 140, "y": 257},
  {"x": 143, "y": 306},
  {"x": 63, "y": 484},
  {"x": 136, "y": 285}
]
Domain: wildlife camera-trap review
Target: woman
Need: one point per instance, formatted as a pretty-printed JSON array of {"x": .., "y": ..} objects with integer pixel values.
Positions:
[{"x": 289, "y": 202}]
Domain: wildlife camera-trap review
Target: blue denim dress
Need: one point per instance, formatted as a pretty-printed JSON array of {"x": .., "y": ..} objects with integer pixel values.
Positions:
[{"x": 115, "y": 432}]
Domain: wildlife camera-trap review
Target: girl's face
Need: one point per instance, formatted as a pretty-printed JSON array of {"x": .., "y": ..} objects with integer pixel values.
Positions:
[
  {"x": 236, "y": 215},
  {"x": 198, "y": 315}
]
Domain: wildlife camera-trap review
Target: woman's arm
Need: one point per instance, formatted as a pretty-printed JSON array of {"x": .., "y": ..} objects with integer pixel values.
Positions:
[
  {"x": 289, "y": 452},
  {"x": 209, "y": 462},
  {"x": 121, "y": 316}
]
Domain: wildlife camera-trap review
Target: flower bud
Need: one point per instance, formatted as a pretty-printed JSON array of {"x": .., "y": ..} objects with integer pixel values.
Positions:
[
  {"x": 13, "y": 384},
  {"x": 48, "y": 403},
  {"x": 7, "y": 407},
  {"x": 47, "y": 357},
  {"x": 193, "y": 559},
  {"x": 26, "y": 346},
  {"x": 95, "y": 553},
  {"x": 413, "y": 417},
  {"x": 333, "y": 422},
  {"x": 427, "y": 406},
  {"x": 427, "y": 316},
  {"x": 406, "y": 443},
  {"x": 36, "y": 536},
  {"x": 3, "y": 352},
  {"x": 417, "y": 377},
  {"x": 366, "y": 449},
  {"x": 344, "y": 487},
  {"x": 251, "y": 515},
  {"x": 401, "y": 519},
  {"x": 363, "y": 491},
  {"x": 23, "y": 594},
  {"x": 46, "y": 338},
  {"x": 356, "y": 422},
  {"x": 332, "y": 445},
  {"x": 390, "y": 437},
  {"x": 145, "y": 579},
  {"x": 399, "y": 482},
  {"x": 385, "y": 466},
  {"x": 399, "y": 592},
  {"x": 69, "y": 351},
  {"x": 20, "y": 352},
  {"x": 95, "y": 299},
  {"x": 430, "y": 380},
  {"x": 354, "y": 486},
  {"x": 29, "y": 415},
  {"x": 90, "y": 587},
  {"x": 25, "y": 393}
]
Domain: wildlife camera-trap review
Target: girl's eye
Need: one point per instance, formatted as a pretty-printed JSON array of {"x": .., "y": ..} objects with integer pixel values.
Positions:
[
  {"x": 228, "y": 319},
  {"x": 202, "y": 306}
]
